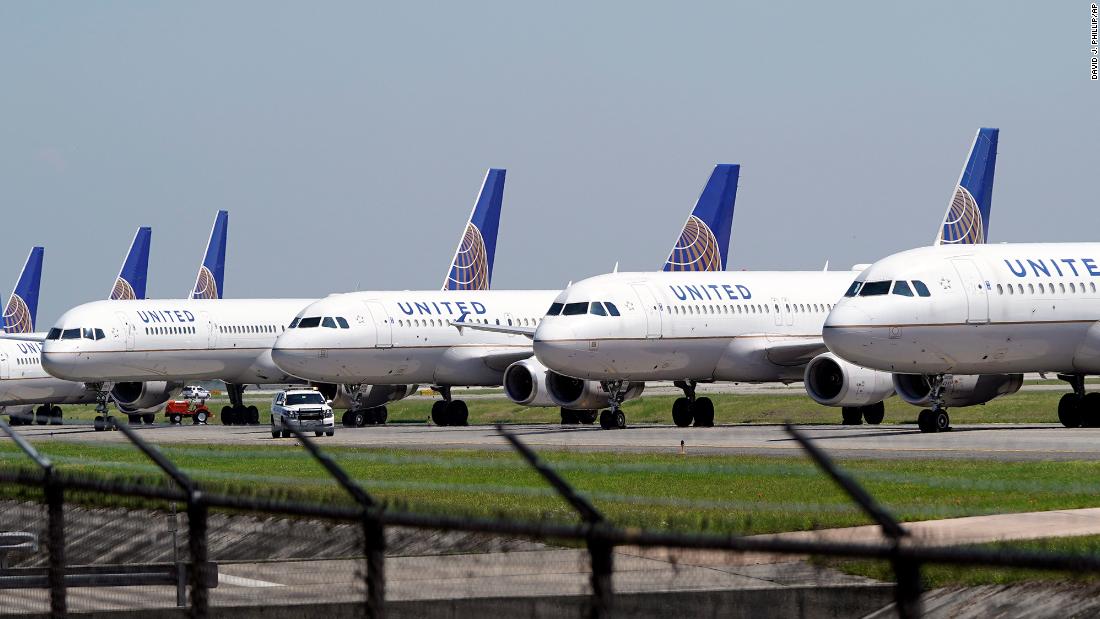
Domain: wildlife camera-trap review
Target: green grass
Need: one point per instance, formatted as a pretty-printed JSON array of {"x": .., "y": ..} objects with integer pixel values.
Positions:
[
  {"x": 935, "y": 576},
  {"x": 1023, "y": 407},
  {"x": 743, "y": 494}
]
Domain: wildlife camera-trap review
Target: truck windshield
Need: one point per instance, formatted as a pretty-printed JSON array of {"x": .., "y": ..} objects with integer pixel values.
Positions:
[{"x": 304, "y": 398}]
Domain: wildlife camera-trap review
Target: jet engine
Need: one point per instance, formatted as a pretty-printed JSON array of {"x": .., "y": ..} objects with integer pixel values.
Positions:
[
  {"x": 965, "y": 390},
  {"x": 525, "y": 383},
  {"x": 832, "y": 381},
  {"x": 145, "y": 397},
  {"x": 369, "y": 396},
  {"x": 579, "y": 394}
]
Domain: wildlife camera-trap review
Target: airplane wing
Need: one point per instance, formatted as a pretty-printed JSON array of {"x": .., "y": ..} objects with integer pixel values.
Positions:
[
  {"x": 794, "y": 351},
  {"x": 37, "y": 336},
  {"x": 500, "y": 359},
  {"x": 525, "y": 331}
]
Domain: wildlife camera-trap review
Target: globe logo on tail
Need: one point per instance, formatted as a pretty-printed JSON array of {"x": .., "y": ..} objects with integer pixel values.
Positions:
[
  {"x": 205, "y": 286},
  {"x": 123, "y": 291},
  {"x": 17, "y": 316},
  {"x": 696, "y": 249},
  {"x": 470, "y": 270},
  {"x": 963, "y": 224}
]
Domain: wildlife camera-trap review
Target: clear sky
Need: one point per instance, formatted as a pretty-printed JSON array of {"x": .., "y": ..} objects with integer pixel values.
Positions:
[{"x": 348, "y": 140}]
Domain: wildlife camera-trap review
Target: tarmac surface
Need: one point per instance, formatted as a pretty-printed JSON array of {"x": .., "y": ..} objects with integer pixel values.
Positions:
[{"x": 1006, "y": 442}]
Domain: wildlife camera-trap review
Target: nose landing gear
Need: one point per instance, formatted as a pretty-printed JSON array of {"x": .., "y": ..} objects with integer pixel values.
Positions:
[
  {"x": 103, "y": 419},
  {"x": 936, "y": 418},
  {"x": 614, "y": 418},
  {"x": 689, "y": 408}
]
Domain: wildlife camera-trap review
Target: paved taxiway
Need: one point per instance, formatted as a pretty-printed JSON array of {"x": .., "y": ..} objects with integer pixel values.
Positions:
[{"x": 1010, "y": 442}]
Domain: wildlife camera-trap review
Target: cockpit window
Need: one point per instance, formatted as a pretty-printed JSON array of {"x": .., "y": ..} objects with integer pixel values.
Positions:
[
  {"x": 597, "y": 309},
  {"x": 874, "y": 289},
  {"x": 54, "y": 334},
  {"x": 99, "y": 334},
  {"x": 555, "y": 309},
  {"x": 574, "y": 309},
  {"x": 853, "y": 290},
  {"x": 922, "y": 290},
  {"x": 901, "y": 287},
  {"x": 328, "y": 322},
  {"x": 70, "y": 334},
  {"x": 309, "y": 323},
  {"x": 89, "y": 333},
  {"x": 340, "y": 320},
  {"x": 294, "y": 323},
  {"x": 611, "y": 309}
]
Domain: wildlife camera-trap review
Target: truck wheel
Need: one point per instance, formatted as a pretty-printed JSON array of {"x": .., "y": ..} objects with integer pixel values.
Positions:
[
  {"x": 317, "y": 433},
  {"x": 275, "y": 433},
  {"x": 286, "y": 433},
  {"x": 175, "y": 418},
  {"x": 330, "y": 432}
]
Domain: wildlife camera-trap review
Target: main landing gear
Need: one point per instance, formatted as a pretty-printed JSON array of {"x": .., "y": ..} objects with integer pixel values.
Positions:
[
  {"x": 237, "y": 414},
  {"x": 1079, "y": 409},
  {"x": 448, "y": 412},
  {"x": 935, "y": 419},
  {"x": 46, "y": 414},
  {"x": 614, "y": 418},
  {"x": 855, "y": 415},
  {"x": 103, "y": 419},
  {"x": 689, "y": 408},
  {"x": 571, "y": 416},
  {"x": 140, "y": 418}
]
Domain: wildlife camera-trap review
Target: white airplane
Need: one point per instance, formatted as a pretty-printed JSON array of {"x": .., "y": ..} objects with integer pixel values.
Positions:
[
  {"x": 412, "y": 336},
  {"x": 702, "y": 327},
  {"x": 152, "y": 346},
  {"x": 990, "y": 311},
  {"x": 23, "y": 382}
]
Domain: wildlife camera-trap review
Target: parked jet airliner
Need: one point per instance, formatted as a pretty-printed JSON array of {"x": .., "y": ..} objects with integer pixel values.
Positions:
[
  {"x": 151, "y": 346},
  {"x": 398, "y": 337},
  {"x": 1003, "y": 309},
  {"x": 23, "y": 382},
  {"x": 748, "y": 327}
]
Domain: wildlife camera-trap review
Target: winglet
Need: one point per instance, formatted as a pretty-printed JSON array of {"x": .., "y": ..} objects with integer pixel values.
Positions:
[
  {"x": 208, "y": 284},
  {"x": 966, "y": 221},
  {"x": 704, "y": 242},
  {"x": 130, "y": 283},
  {"x": 472, "y": 265},
  {"x": 22, "y": 308}
]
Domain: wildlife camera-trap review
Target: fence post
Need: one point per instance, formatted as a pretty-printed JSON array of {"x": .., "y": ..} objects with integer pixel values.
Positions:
[
  {"x": 906, "y": 571},
  {"x": 374, "y": 534},
  {"x": 196, "y": 523},
  {"x": 55, "y": 523},
  {"x": 599, "y": 548}
]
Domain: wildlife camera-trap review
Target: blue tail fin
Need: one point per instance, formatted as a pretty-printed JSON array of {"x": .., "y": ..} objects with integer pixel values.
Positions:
[
  {"x": 22, "y": 309},
  {"x": 472, "y": 266},
  {"x": 704, "y": 242},
  {"x": 130, "y": 283},
  {"x": 208, "y": 285},
  {"x": 967, "y": 218}
]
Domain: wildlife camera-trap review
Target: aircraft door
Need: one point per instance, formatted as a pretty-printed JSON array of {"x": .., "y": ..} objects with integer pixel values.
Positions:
[
  {"x": 211, "y": 331},
  {"x": 778, "y": 314},
  {"x": 651, "y": 309},
  {"x": 383, "y": 327},
  {"x": 4, "y": 372},
  {"x": 128, "y": 330},
  {"x": 977, "y": 291}
]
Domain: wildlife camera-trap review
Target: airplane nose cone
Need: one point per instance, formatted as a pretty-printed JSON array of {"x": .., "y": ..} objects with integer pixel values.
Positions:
[
  {"x": 60, "y": 364},
  {"x": 556, "y": 345},
  {"x": 293, "y": 352},
  {"x": 847, "y": 332}
]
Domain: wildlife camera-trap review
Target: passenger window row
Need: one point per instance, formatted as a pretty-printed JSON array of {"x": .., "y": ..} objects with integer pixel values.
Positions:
[
  {"x": 1042, "y": 288},
  {"x": 75, "y": 334},
  {"x": 246, "y": 329},
  {"x": 750, "y": 308},
  {"x": 437, "y": 322},
  {"x": 312, "y": 322},
  {"x": 596, "y": 308},
  {"x": 879, "y": 288},
  {"x": 28, "y": 361},
  {"x": 169, "y": 330}
]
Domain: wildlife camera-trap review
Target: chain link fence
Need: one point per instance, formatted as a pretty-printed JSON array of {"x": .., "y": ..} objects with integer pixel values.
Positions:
[{"x": 135, "y": 542}]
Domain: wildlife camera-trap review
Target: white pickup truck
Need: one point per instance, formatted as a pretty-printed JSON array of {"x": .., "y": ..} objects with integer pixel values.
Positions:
[{"x": 303, "y": 409}]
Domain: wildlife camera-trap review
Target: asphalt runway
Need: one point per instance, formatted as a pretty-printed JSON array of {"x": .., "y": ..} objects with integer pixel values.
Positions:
[{"x": 1007, "y": 442}]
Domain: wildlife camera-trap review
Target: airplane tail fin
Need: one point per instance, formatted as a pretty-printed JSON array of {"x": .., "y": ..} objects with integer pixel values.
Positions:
[
  {"x": 130, "y": 283},
  {"x": 472, "y": 266},
  {"x": 208, "y": 284},
  {"x": 704, "y": 242},
  {"x": 22, "y": 308},
  {"x": 967, "y": 218}
]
